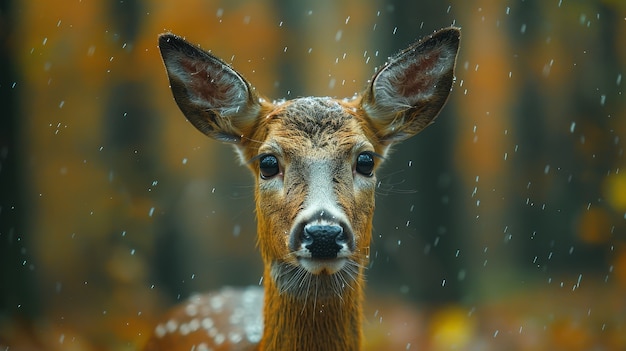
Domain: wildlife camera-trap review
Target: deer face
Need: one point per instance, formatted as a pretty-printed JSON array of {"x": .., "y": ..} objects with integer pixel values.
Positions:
[
  {"x": 314, "y": 159},
  {"x": 315, "y": 186}
]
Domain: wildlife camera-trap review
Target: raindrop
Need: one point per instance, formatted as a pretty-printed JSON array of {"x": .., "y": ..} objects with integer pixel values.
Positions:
[
  {"x": 132, "y": 252},
  {"x": 461, "y": 275},
  {"x": 602, "y": 99},
  {"x": 151, "y": 212},
  {"x": 347, "y": 19},
  {"x": 185, "y": 161},
  {"x": 61, "y": 103},
  {"x": 219, "y": 12},
  {"x": 338, "y": 35},
  {"x": 572, "y": 127}
]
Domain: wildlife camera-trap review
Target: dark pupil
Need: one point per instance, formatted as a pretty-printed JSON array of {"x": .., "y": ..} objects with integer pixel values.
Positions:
[
  {"x": 268, "y": 166},
  {"x": 365, "y": 164}
]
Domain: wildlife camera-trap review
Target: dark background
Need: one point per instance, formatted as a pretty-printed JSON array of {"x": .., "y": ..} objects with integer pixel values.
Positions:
[{"x": 508, "y": 213}]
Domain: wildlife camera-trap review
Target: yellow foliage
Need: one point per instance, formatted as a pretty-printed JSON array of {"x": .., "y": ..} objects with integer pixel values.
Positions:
[
  {"x": 451, "y": 329},
  {"x": 614, "y": 189}
]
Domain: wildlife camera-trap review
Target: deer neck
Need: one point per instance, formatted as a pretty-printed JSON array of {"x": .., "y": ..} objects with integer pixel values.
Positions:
[{"x": 325, "y": 318}]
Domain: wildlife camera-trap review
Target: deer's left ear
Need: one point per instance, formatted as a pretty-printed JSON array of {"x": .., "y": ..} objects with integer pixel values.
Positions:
[{"x": 407, "y": 93}]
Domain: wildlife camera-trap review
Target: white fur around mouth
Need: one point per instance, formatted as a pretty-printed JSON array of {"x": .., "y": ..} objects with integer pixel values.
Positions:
[{"x": 319, "y": 266}]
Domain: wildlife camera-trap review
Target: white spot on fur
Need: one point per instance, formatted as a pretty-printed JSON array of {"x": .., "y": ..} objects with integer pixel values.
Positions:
[
  {"x": 203, "y": 347},
  {"x": 207, "y": 323},
  {"x": 191, "y": 309},
  {"x": 171, "y": 325},
  {"x": 194, "y": 325},
  {"x": 160, "y": 331},
  {"x": 183, "y": 329},
  {"x": 217, "y": 303},
  {"x": 219, "y": 339}
]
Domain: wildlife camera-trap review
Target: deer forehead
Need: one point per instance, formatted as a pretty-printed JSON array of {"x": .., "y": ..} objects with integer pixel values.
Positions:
[{"x": 315, "y": 128}]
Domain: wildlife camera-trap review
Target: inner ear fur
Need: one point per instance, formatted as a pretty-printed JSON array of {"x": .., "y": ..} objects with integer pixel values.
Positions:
[
  {"x": 407, "y": 93},
  {"x": 214, "y": 97}
]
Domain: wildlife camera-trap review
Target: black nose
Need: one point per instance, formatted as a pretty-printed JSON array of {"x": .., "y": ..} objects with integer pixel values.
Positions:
[{"x": 323, "y": 241}]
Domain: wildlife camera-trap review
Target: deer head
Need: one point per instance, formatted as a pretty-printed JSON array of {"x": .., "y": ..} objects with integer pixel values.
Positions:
[{"x": 314, "y": 160}]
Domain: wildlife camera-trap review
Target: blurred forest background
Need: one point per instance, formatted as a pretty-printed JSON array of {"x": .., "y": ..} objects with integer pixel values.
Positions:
[{"x": 500, "y": 227}]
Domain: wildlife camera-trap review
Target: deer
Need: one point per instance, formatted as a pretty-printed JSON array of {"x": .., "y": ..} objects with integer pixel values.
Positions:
[{"x": 314, "y": 161}]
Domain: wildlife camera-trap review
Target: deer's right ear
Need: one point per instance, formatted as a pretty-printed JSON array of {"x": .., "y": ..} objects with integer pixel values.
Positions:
[{"x": 216, "y": 99}]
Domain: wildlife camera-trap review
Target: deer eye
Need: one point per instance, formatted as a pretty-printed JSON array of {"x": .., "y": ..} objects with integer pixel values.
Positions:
[
  {"x": 365, "y": 164},
  {"x": 268, "y": 165}
]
